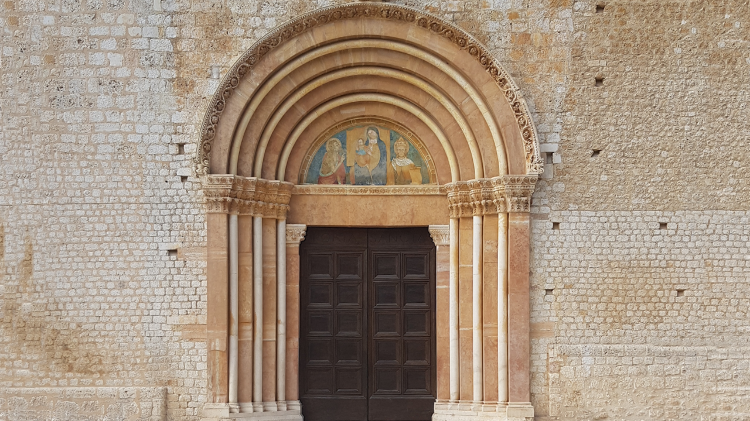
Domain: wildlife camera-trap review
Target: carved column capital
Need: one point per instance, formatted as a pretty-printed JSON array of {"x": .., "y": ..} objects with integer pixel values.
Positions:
[
  {"x": 519, "y": 189},
  {"x": 217, "y": 191},
  {"x": 295, "y": 234},
  {"x": 440, "y": 234},
  {"x": 489, "y": 196},
  {"x": 247, "y": 196}
]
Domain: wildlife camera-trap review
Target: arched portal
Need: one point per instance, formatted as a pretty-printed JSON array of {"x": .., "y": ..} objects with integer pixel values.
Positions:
[{"x": 368, "y": 115}]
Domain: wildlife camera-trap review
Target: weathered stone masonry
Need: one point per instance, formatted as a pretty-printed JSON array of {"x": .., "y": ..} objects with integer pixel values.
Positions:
[{"x": 103, "y": 224}]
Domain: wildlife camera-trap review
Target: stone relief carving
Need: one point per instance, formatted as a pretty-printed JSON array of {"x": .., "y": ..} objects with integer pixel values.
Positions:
[
  {"x": 247, "y": 196},
  {"x": 440, "y": 234},
  {"x": 295, "y": 233},
  {"x": 305, "y": 22},
  {"x": 487, "y": 196}
]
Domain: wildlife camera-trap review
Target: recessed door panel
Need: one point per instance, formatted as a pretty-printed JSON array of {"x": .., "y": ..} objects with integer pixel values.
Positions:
[{"x": 367, "y": 323}]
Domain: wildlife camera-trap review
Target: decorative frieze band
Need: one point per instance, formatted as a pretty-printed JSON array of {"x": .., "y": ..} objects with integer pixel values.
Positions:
[
  {"x": 488, "y": 196},
  {"x": 247, "y": 196}
]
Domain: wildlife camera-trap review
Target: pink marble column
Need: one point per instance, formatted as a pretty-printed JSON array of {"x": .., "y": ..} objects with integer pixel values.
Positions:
[
  {"x": 441, "y": 236},
  {"x": 245, "y": 384},
  {"x": 269, "y": 314},
  {"x": 489, "y": 307},
  {"x": 518, "y": 307},
  {"x": 295, "y": 233},
  {"x": 217, "y": 320}
]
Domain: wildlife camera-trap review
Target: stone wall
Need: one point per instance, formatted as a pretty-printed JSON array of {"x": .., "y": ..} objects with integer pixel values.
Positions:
[{"x": 102, "y": 227}]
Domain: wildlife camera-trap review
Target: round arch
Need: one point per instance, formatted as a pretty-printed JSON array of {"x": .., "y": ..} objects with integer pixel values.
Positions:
[
  {"x": 366, "y": 64},
  {"x": 302, "y": 57}
]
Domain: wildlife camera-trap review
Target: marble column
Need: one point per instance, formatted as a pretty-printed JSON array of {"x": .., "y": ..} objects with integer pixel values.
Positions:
[
  {"x": 441, "y": 236},
  {"x": 295, "y": 233},
  {"x": 453, "y": 312},
  {"x": 234, "y": 309},
  {"x": 281, "y": 322},
  {"x": 258, "y": 314},
  {"x": 476, "y": 310},
  {"x": 217, "y": 321},
  {"x": 245, "y": 292},
  {"x": 502, "y": 307}
]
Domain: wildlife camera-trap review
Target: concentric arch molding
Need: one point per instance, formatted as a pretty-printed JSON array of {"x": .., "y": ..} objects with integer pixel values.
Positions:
[{"x": 305, "y": 22}]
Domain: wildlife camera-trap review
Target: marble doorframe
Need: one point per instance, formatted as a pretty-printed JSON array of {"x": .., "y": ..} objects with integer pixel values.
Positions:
[
  {"x": 368, "y": 60},
  {"x": 495, "y": 352}
]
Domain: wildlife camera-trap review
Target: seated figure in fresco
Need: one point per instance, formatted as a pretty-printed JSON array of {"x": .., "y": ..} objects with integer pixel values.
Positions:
[
  {"x": 369, "y": 165},
  {"x": 361, "y": 169},
  {"x": 405, "y": 172},
  {"x": 332, "y": 170}
]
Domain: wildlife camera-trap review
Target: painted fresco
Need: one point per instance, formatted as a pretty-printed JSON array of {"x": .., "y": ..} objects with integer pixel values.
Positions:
[{"x": 367, "y": 155}]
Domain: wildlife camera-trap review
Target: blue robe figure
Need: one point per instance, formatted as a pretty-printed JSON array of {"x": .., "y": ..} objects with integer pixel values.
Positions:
[{"x": 369, "y": 166}]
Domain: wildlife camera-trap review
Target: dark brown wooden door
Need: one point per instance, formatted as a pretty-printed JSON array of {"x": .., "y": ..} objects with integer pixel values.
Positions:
[{"x": 367, "y": 342}]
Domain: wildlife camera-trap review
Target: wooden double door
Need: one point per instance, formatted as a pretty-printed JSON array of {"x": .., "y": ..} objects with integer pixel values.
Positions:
[{"x": 367, "y": 340}]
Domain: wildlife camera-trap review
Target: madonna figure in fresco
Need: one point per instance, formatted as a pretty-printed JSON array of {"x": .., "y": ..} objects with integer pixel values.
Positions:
[
  {"x": 369, "y": 164},
  {"x": 332, "y": 169},
  {"x": 403, "y": 167}
]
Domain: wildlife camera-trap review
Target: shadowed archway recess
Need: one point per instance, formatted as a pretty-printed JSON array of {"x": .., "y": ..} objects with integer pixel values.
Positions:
[{"x": 363, "y": 62}]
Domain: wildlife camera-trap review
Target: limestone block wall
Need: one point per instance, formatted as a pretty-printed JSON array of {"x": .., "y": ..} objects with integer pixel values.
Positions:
[{"x": 102, "y": 226}]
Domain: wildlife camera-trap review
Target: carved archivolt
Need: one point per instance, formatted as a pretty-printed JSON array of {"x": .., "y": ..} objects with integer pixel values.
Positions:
[
  {"x": 489, "y": 196},
  {"x": 247, "y": 196},
  {"x": 376, "y": 11}
]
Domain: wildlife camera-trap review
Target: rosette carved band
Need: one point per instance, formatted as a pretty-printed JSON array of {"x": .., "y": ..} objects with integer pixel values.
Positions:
[
  {"x": 488, "y": 196},
  {"x": 247, "y": 196}
]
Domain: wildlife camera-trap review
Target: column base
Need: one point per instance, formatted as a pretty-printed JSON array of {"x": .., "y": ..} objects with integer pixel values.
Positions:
[
  {"x": 266, "y": 411},
  {"x": 478, "y": 411}
]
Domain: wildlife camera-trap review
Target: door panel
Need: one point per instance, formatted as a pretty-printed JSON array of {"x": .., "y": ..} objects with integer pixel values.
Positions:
[{"x": 367, "y": 321}]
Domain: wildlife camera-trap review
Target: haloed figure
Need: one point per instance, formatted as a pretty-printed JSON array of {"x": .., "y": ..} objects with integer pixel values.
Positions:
[
  {"x": 369, "y": 166},
  {"x": 405, "y": 172},
  {"x": 332, "y": 170}
]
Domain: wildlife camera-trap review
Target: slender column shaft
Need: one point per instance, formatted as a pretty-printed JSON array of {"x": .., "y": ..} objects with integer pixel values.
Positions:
[
  {"x": 441, "y": 236},
  {"x": 477, "y": 328},
  {"x": 453, "y": 293},
  {"x": 233, "y": 307},
  {"x": 295, "y": 234},
  {"x": 258, "y": 309},
  {"x": 245, "y": 298},
  {"x": 281, "y": 310},
  {"x": 502, "y": 307}
]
